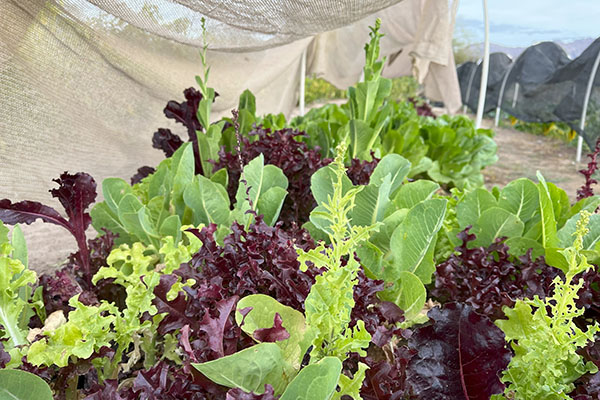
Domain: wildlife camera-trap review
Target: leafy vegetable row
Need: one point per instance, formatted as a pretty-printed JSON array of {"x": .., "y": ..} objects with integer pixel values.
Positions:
[{"x": 206, "y": 281}]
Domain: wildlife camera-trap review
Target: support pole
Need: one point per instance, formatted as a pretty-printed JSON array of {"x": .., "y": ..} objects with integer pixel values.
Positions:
[
  {"x": 501, "y": 95},
  {"x": 302, "y": 81},
  {"x": 471, "y": 77},
  {"x": 485, "y": 68},
  {"x": 515, "y": 95},
  {"x": 586, "y": 100}
]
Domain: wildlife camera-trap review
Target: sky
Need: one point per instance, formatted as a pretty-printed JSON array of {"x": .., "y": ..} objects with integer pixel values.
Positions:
[{"x": 520, "y": 23}]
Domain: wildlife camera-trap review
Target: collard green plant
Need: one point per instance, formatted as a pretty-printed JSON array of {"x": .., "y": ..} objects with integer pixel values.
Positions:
[
  {"x": 531, "y": 216},
  {"x": 544, "y": 336}
]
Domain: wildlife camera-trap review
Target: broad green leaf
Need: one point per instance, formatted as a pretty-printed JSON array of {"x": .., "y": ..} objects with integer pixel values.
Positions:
[
  {"x": 518, "y": 246},
  {"x": 548, "y": 220},
  {"x": 103, "y": 217},
  {"x": 157, "y": 210},
  {"x": 494, "y": 223},
  {"x": 560, "y": 203},
  {"x": 113, "y": 190},
  {"x": 21, "y": 385},
  {"x": 247, "y": 102},
  {"x": 413, "y": 241},
  {"x": 321, "y": 184},
  {"x": 261, "y": 316},
  {"x": 19, "y": 246},
  {"x": 315, "y": 381},
  {"x": 315, "y": 232},
  {"x": 381, "y": 238},
  {"x": 521, "y": 198},
  {"x": 135, "y": 218},
  {"x": 249, "y": 369},
  {"x": 408, "y": 293},
  {"x": 160, "y": 182},
  {"x": 270, "y": 203},
  {"x": 221, "y": 177},
  {"x": 362, "y": 138},
  {"x": 260, "y": 178},
  {"x": 371, "y": 259},
  {"x": 473, "y": 205},
  {"x": 587, "y": 203},
  {"x": 208, "y": 201},
  {"x": 415, "y": 192},
  {"x": 436, "y": 174},
  {"x": 394, "y": 165},
  {"x": 171, "y": 226},
  {"x": 208, "y": 146},
  {"x": 371, "y": 203},
  {"x": 590, "y": 240},
  {"x": 182, "y": 170},
  {"x": 3, "y": 233}
]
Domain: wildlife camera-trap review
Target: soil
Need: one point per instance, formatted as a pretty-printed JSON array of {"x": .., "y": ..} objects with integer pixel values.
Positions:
[{"x": 521, "y": 154}]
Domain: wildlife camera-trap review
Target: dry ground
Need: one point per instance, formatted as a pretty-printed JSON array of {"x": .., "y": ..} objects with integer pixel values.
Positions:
[{"x": 522, "y": 154}]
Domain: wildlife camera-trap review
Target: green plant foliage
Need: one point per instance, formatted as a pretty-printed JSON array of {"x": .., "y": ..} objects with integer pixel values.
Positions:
[
  {"x": 21, "y": 385},
  {"x": 544, "y": 336},
  {"x": 15, "y": 291},
  {"x": 531, "y": 216},
  {"x": 318, "y": 89},
  {"x": 262, "y": 315},
  {"x": 88, "y": 328},
  {"x": 266, "y": 187},
  {"x": 249, "y": 369},
  {"x": 316, "y": 381},
  {"x": 173, "y": 196},
  {"x": 330, "y": 301},
  {"x": 137, "y": 268},
  {"x": 447, "y": 150}
]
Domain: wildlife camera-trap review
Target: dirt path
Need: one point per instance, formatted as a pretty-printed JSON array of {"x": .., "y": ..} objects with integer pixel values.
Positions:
[{"x": 521, "y": 154}]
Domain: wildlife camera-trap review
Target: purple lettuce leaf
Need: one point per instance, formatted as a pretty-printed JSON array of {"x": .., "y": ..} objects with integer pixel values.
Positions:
[
  {"x": 386, "y": 380},
  {"x": 4, "y": 356},
  {"x": 109, "y": 391},
  {"x": 261, "y": 259},
  {"x": 165, "y": 382},
  {"x": 459, "y": 356},
  {"x": 273, "y": 334},
  {"x": 215, "y": 327},
  {"x": 186, "y": 113},
  {"x": 587, "y": 387},
  {"x": 379, "y": 316},
  {"x": 586, "y": 189},
  {"x": 167, "y": 141},
  {"x": 141, "y": 173},
  {"x": 75, "y": 193},
  {"x": 489, "y": 278},
  {"x": 360, "y": 171},
  {"x": 239, "y": 394}
]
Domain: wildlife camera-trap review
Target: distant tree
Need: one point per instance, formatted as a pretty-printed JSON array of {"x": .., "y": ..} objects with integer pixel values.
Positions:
[{"x": 463, "y": 45}]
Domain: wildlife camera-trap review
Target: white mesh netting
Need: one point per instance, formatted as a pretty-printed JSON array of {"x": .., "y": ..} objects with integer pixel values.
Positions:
[{"x": 83, "y": 83}]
